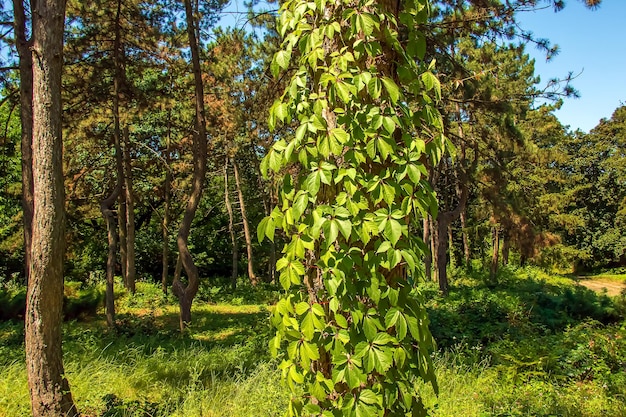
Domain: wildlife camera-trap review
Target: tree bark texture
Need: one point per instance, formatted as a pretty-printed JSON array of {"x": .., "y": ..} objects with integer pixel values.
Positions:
[
  {"x": 26, "y": 120},
  {"x": 49, "y": 390},
  {"x": 246, "y": 227},
  {"x": 231, "y": 228},
  {"x": 186, "y": 293}
]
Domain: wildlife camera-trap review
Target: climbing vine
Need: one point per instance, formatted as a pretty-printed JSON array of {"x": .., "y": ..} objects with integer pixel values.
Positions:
[{"x": 363, "y": 127}]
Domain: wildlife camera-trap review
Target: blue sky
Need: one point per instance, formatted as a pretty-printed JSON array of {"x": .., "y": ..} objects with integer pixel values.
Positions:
[
  {"x": 592, "y": 43},
  {"x": 592, "y": 46}
]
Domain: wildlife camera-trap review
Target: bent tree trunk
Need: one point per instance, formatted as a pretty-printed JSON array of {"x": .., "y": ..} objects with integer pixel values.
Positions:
[
  {"x": 49, "y": 390},
  {"x": 185, "y": 294}
]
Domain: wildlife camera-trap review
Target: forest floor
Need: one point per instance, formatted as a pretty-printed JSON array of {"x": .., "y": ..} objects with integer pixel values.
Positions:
[{"x": 532, "y": 345}]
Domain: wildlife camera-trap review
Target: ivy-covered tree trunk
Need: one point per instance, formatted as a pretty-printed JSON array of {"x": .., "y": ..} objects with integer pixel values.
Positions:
[
  {"x": 352, "y": 326},
  {"x": 49, "y": 390}
]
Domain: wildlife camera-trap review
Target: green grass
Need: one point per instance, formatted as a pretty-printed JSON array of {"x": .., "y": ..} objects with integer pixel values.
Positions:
[{"x": 534, "y": 345}]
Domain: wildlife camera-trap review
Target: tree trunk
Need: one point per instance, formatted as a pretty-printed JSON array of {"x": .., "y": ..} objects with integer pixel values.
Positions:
[
  {"x": 166, "y": 216},
  {"x": 231, "y": 228},
  {"x": 26, "y": 119},
  {"x": 246, "y": 229},
  {"x": 466, "y": 247},
  {"x": 428, "y": 258},
  {"x": 106, "y": 206},
  {"x": 121, "y": 223},
  {"x": 453, "y": 260},
  {"x": 506, "y": 248},
  {"x": 118, "y": 79},
  {"x": 130, "y": 214},
  {"x": 493, "y": 272},
  {"x": 186, "y": 293},
  {"x": 441, "y": 258},
  {"x": 49, "y": 390}
]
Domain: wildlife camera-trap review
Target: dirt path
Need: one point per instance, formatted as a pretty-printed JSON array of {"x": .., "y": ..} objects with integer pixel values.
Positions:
[{"x": 612, "y": 287}]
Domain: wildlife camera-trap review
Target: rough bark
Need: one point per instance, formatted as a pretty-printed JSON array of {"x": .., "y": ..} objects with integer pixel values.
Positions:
[
  {"x": 26, "y": 119},
  {"x": 130, "y": 214},
  {"x": 186, "y": 293},
  {"x": 246, "y": 227},
  {"x": 49, "y": 390},
  {"x": 231, "y": 228}
]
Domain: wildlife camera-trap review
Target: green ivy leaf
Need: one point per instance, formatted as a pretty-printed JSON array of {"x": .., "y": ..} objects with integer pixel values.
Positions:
[{"x": 392, "y": 89}]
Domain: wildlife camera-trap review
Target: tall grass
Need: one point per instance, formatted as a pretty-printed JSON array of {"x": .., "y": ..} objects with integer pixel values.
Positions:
[{"x": 533, "y": 346}]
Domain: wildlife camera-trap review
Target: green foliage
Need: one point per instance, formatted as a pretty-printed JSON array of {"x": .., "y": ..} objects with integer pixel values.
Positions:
[{"x": 354, "y": 330}]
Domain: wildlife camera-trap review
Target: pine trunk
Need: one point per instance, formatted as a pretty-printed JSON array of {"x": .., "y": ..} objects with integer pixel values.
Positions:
[
  {"x": 495, "y": 236},
  {"x": 26, "y": 119},
  {"x": 246, "y": 227},
  {"x": 466, "y": 247},
  {"x": 186, "y": 293},
  {"x": 428, "y": 256},
  {"x": 166, "y": 221},
  {"x": 130, "y": 215},
  {"x": 49, "y": 390},
  {"x": 231, "y": 229},
  {"x": 106, "y": 207}
]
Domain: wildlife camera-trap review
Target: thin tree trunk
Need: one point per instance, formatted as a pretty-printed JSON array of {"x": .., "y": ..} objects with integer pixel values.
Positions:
[
  {"x": 246, "y": 228},
  {"x": 26, "y": 119},
  {"x": 121, "y": 224},
  {"x": 453, "y": 260},
  {"x": 428, "y": 256},
  {"x": 118, "y": 79},
  {"x": 466, "y": 247},
  {"x": 130, "y": 214},
  {"x": 493, "y": 272},
  {"x": 49, "y": 390},
  {"x": 186, "y": 293},
  {"x": 106, "y": 207},
  {"x": 506, "y": 248},
  {"x": 166, "y": 216},
  {"x": 231, "y": 228}
]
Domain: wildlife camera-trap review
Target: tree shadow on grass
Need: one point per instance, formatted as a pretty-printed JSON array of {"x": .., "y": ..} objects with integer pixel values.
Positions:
[{"x": 478, "y": 313}]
